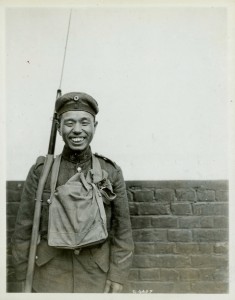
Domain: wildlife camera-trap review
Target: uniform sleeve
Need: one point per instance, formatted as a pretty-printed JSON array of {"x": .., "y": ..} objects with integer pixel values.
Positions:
[
  {"x": 24, "y": 221},
  {"x": 122, "y": 245}
]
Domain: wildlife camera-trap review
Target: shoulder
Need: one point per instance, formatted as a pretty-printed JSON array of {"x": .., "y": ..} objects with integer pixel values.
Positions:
[
  {"x": 36, "y": 168},
  {"x": 113, "y": 170},
  {"x": 38, "y": 165},
  {"x": 39, "y": 161},
  {"x": 107, "y": 162}
]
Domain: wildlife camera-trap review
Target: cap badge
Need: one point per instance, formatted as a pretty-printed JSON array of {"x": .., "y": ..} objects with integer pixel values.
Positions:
[{"x": 75, "y": 98}]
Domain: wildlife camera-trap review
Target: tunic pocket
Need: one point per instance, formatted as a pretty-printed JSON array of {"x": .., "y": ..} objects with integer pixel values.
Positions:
[
  {"x": 101, "y": 256},
  {"x": 45, "y": 253}
]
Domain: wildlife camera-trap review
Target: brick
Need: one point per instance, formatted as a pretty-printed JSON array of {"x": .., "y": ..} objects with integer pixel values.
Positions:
[
  {"x": 210, "y": 235},
  {"x": 210, "y": 209},
  {"x": 160, "y": 261},
  {"x": 10, "y": 232},
  {"x": 14, "y": 185},
  {"x": 127, "y": 287},
  {"x": 196, "y": 222},
  {"x": 144, "y": 248},
  {"x": 149, "y": 274},
  {"x": 221, "y": 248},
  {"x": 140, "y": 222},
  {"x": 153, "y": 209},
  {"x": 12, "y": 208},
  {"x": 134, "y": 186},
  {"x": 189, "y": 222},
  {"x": 13, "y": 195},
  {"x": 209, "y": 261},
  {"x": 186, "y": 195},
  {"x": 143, "y": 196},
  {"x": 179, "y": 235},
  {"x": 11, "y": 220},
  {"x": 133, "y": 207},
  {"x": 149, "y": 235},
  {"x": 205, "y": 195},
  {"x": 164, "y": 195},
  {"x": 144, "y": 261},
  {"x": 129, "y": 196},
  {"x": 145, "y": 287},
  {"x": 14, "y": 287},
  {"x": 181, "y": 208},
  {"x": 9, "y": 251},
  {"x": 221, "y": 222},
  {"x": 165, "y": 248},
  {"x": 213, "y": 274},
  {"x": 206, "y": 222},
  {"x": 205, "y": 248},
  {"x": 134, "y": 274},
  {"x": 206, "y": 274},
  {"x": 188, "y": 274},
  {"x": 182, "y": 287},
  {"x": 186, "y": 248},
  {"x": 169, "y": 275},
  {"x": 221, "y": 274},
  {"x": 221, "y": 196},
  {"x": 8, "y": 240},
  {"x": 209, "y": 287},
  {"x": 9, "y": 260},
  {"x": 174, "y": 261},
  {"x": 164, "y": 222}
]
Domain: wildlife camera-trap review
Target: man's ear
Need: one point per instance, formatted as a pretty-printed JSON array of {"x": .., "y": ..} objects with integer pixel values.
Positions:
[{"x": 95, "y": 124}]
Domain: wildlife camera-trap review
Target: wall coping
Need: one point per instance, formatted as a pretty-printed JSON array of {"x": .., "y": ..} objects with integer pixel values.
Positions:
[{"x": 172, "y": 184}]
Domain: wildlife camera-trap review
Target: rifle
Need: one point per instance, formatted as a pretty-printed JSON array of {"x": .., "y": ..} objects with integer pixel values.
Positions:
[
  {"x": 43, "y": 177},
  {"x": 37, "y": 212}
]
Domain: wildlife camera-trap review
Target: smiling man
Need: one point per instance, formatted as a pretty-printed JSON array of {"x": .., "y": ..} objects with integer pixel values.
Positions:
[
  {"x": 85, "y": 243},
  {"x": 77, "y": 129}
]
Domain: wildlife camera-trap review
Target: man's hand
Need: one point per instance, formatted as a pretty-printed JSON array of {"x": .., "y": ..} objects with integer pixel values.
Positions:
[{"x": 112, "y": 287}]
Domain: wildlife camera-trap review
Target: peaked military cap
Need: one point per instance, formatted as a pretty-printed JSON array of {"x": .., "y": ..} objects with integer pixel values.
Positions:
[{"x": 76, "y": 101}]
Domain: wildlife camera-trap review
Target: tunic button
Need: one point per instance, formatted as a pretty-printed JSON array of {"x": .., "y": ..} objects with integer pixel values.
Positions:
[
  {"x": 36, "y": 257},
  {"x": 77, "y": 251},
  {"x": 79, "y": 169}
]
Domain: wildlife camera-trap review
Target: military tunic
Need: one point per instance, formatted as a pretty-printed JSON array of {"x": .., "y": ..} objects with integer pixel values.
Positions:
[{"x": 60, "y": 270}]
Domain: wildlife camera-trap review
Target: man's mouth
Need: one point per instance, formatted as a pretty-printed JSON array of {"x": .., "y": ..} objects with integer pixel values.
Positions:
[{"x": 77, "y": 140}]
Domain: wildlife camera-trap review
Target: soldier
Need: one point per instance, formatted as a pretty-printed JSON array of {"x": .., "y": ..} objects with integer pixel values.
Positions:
[{"x": 95, "y": 268}]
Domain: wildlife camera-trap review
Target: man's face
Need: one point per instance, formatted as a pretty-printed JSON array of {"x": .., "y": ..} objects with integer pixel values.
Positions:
[{"x": 77, "y": 129}]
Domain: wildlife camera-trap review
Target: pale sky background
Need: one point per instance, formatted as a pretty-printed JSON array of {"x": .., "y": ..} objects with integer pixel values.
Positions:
[{"x": 159, "y": 75}]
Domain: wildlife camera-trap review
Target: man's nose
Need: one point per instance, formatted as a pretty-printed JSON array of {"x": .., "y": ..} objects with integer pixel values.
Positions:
[{"x": 77, "y": 128}]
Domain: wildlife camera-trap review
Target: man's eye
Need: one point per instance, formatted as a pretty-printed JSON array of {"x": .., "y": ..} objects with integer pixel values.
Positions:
[
  {"x": 69, "y": 124},
  {"x": 85, "y": 123}
]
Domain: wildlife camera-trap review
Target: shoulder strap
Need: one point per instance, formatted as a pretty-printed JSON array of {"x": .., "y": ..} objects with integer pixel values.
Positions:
[
  {"x": 96, "y": 169},
  {"x": 55, "y": 172}
]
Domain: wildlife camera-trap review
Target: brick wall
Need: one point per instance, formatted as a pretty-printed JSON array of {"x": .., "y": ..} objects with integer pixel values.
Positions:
[{"x": 180, "y": 230}]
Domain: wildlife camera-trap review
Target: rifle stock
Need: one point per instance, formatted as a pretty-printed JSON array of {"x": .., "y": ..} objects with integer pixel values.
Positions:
[{"x": 37, "y": 212}]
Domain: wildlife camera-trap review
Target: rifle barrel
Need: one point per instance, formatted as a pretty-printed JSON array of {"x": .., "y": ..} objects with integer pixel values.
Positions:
[
  {"x": 51, "y": 148},
  {"x": 37, "y": 211}
]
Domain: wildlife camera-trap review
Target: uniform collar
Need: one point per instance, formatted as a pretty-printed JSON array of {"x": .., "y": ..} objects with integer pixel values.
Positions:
[{"x": 76, "y": 156}]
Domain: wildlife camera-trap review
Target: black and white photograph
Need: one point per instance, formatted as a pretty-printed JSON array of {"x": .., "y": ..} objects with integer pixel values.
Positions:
[{"x": 118, "y": 149}]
